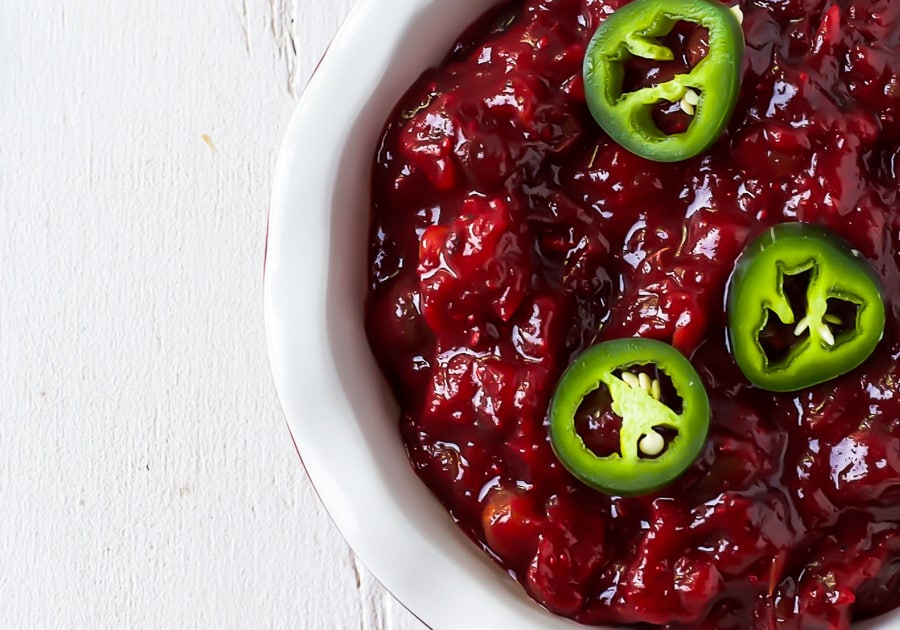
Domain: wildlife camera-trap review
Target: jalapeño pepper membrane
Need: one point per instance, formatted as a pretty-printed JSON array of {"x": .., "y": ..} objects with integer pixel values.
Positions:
[
  {"x": 633, "y": 372},
  {"x": 708, "y": 91},
  {"x": 803, "y": 308}
]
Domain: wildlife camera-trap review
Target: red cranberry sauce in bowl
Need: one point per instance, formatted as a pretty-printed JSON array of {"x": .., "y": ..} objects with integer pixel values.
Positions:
[{"x": 509, "y": 233}]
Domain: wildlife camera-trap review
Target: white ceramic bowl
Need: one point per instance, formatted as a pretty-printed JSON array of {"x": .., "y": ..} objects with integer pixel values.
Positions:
[{"x": 340, "y": 414}]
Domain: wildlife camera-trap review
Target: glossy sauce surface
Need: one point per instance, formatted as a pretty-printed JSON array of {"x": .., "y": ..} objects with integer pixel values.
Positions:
[{"x": 509, "y": 233}]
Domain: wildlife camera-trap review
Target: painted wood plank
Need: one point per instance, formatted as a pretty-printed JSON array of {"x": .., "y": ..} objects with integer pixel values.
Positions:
[{"x": 146, "y": 476}]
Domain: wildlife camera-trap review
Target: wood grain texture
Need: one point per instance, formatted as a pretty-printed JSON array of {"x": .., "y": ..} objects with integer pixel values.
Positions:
[{"x": 147, "y": 479}]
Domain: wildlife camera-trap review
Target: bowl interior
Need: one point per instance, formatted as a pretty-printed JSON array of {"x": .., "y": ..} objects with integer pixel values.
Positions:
[{"x": 338, "y": 408}]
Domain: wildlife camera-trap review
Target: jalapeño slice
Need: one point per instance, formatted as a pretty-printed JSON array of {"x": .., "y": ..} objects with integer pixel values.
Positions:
[
  {"x": 803, "y": 308},
  {"x": 709, "y": 90},
  {"x": 630, "y": 370}
]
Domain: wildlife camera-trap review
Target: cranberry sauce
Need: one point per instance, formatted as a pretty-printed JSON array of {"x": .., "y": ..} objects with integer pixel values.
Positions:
[{"x": 509, "y": 233}]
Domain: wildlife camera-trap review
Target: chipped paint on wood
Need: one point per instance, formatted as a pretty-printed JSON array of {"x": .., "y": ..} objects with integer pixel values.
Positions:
[
  {"x": 245, "y": 23},
  {"x": 208, "y": 140},
  {"x": 282, "y": 25}
]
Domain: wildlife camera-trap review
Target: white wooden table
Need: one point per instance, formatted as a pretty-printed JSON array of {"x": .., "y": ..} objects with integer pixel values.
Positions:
[{"x": 147, "y": 479}]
